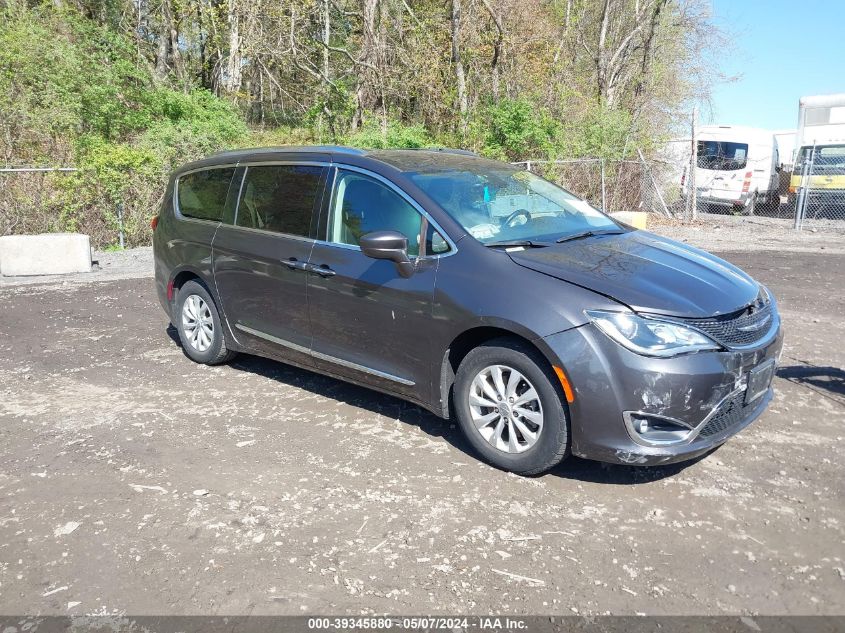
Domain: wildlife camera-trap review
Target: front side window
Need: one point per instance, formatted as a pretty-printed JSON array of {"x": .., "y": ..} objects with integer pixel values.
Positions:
[
  {"x": 722, "y": 155},
  {"x": 435, "y": 243},
  {"x": 202, "y": 194},
  {"x": 280, "y": 198},
  {"x": 496, "y": 202},
  {"x": 362, "y": 205}
]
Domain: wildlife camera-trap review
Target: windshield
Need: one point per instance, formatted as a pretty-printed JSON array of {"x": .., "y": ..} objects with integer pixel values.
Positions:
[
  {"x": 827, "y": 159},
  {"x": 722, "y": 155},
  {"x": 499, "y": 203}
]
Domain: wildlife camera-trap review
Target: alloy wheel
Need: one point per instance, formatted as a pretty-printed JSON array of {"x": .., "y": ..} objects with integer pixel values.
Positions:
[
  {"x": 197, "y": 323},
  {"x": 505, "y": 408}
]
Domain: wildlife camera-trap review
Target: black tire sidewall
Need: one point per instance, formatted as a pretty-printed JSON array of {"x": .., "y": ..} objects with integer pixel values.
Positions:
[
  {"x": 553, "y": 444},
  {"x": 210, "y": 355}
]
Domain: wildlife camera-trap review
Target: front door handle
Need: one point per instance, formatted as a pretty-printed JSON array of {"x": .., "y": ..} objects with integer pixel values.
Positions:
[
  {"x": 322, "y": 270},
  {"x": 294, "y": 264}
]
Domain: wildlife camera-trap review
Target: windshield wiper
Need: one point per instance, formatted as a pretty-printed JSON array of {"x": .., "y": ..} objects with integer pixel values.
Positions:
[
  {"x": 516, "y": 243},
  {"x": 578, "y": 236}
]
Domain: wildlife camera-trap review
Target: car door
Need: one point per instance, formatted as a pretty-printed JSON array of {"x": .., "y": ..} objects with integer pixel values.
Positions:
[
  {"x": 260, "y": 258},
  {"x": 368, "y": 322}
]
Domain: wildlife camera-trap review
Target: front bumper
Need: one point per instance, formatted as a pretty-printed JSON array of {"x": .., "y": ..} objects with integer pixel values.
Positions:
[
  {"x": 727, "y": 199},
  {"x": 705, "y": 391}
]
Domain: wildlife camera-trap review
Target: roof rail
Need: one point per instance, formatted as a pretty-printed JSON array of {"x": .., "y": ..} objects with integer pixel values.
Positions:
[
  {"x": 338, "y": 149},
  {"x": 446, "y": 150}
]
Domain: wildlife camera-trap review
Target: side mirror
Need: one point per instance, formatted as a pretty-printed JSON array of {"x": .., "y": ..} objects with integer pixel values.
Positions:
[{"x": 390, "y": 245}]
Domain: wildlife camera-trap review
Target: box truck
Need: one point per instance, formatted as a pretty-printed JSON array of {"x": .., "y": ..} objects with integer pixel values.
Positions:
[{"x": 820, "y": 157}]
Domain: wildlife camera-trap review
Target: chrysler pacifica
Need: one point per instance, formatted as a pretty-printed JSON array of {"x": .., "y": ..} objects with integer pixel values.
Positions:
[{"x": 474, "y": 289}]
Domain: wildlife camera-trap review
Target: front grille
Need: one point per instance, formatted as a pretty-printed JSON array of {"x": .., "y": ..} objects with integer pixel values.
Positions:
[
  {"x": 730, "y": 413},
  {"x": 739, "y": 328}
]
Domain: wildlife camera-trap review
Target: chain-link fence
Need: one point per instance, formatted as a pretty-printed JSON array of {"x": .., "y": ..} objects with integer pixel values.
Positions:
[
  {"x": 30, "y": 199},
  {"x": 36, "y": 200},
  {"x": 817, "y": 187},
  {"x": 616, "y": 185},
  {"x": 56, "y": 199},
  {"x": 811, "y": 196}
]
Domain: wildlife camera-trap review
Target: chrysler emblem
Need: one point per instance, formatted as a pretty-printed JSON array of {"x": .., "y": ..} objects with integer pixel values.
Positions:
[{"x": 753, "y": 327}]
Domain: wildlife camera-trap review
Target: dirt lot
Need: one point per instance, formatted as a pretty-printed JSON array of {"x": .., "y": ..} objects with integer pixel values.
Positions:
[{"x": 134, "y": 481}]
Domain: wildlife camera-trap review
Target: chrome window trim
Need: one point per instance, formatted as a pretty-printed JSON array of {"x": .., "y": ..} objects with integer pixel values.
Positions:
[
  {"x": 249, "y": 229},
  {"x": 326, "y": 357},
  {"x": 399, "y": 191},
  {"x": 246, "y": 165},
  {"x": 177, "y": 211}
]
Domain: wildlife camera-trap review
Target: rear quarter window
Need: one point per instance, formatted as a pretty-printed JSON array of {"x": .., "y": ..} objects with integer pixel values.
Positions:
[{"x": 202, "y": 194}]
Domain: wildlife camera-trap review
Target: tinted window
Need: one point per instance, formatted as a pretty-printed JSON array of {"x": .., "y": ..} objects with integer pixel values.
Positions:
[
  {"x": 202, "y": 194},
  {"x": 722, "y": 155},
  {"x": 362, "y": 205},
  {"x": 280, "y": 198}
]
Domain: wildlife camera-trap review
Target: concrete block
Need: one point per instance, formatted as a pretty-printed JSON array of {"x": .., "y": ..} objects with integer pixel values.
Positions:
[
  {"x": 46, "y": 254},
  {"x": 637, "y": 219}
]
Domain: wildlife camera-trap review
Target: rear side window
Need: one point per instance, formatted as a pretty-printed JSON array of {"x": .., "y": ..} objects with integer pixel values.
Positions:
[
  {"x": 202, "y": 194},
  {"x": 722, "y": 155},
  {"x": 280, "y": 198}
]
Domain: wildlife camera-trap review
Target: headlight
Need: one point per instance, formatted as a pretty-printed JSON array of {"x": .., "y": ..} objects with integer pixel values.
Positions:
[{"x": 649, "y": 336}]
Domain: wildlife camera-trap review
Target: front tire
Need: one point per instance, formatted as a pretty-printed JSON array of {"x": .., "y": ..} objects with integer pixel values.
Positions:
[
  {"x": 509, "y": 407},
  {"x": 199, "y": 325}
]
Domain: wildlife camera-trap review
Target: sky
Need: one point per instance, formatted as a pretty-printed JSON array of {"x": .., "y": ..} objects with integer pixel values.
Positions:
[{"x": 782, "y": 51}]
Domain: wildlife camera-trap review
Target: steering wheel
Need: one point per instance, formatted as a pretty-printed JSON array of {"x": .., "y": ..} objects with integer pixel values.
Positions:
[{"x": 513, "y": 216}]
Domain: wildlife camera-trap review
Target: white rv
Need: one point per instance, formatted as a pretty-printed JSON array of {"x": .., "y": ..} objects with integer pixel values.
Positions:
[{"x": 737, "y": 169}]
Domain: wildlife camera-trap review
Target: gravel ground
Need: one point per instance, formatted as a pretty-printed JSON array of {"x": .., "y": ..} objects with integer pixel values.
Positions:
[
  {"x": 739, "y": 233},
  {"x": 134, "y": 481},
  {"x": 132, "y": 263}
]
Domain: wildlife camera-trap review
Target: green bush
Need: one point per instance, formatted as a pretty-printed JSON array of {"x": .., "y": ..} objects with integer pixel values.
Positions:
[
  {"x": 514, "y": 129},
  {"x": 600, "y": 133},
  {"x": 67, "y": 82},
  {"x": 397, "y": 135}
]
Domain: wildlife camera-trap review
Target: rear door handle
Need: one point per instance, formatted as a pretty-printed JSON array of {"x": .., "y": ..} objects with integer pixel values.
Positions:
[
  {"x": 322, "y": 270},
  {"x": 294, "y": 264}
]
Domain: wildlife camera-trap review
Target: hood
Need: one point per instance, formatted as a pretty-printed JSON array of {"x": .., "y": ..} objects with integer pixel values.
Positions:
[{"x": 647, "y": 273}]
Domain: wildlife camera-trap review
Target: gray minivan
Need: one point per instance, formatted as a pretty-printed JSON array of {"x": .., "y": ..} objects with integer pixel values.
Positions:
[{"x": 474, "y": 289}]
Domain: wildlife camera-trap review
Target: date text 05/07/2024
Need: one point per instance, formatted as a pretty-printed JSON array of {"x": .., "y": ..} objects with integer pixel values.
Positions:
[{"x": 481, "y": 623}]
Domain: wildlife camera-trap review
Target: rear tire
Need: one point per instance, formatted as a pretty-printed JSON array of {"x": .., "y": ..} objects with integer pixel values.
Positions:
[
  {"x": 773, "y": 204},
  {"x": 522, "y": 424},
  {"x": 751, "y": 207},
  {"x": 199, "y": 326}
]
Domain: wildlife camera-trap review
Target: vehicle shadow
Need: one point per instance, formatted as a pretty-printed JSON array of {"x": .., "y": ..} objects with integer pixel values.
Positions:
[
  {"x": 619, "y": 474},
  {"x": 573, "y": 468},
  {"x": 828, "y": 381}
]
